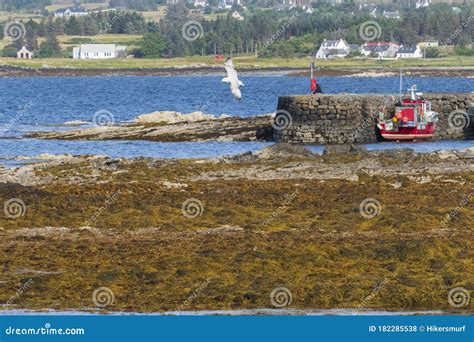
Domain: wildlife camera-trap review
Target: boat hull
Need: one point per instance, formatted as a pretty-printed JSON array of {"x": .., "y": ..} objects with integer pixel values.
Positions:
[{"x": 408, "y": 133}]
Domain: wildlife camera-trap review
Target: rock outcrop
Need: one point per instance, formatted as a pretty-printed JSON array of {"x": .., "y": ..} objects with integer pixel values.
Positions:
[{"x": 174, "y": 127}]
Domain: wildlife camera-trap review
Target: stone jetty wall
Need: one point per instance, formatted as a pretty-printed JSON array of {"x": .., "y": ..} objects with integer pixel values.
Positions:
[{"x": 352, "y": 118}]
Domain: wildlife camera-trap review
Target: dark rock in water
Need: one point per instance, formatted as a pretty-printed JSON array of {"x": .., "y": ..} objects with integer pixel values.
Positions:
[
  {"x": 265, "y": 133},
  {"x": 246, "y": 157},
  {"x": 284, "y": 150},
  {"x": 344, "y": 149}
]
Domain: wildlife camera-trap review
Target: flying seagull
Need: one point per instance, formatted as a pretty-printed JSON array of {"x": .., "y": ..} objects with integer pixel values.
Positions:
[{"x": 232, "y": 78}]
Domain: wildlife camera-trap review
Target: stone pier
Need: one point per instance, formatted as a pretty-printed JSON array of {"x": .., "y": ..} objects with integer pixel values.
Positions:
[{"x": 352, "y": 118}]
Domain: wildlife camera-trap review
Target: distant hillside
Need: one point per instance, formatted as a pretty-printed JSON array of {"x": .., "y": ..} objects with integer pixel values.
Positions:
[{"x": 11, "y": 5}]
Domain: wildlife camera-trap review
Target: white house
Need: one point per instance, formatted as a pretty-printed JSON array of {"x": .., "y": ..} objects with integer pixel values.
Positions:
[
  {"x": 381, "y": 50},
  {"x": 428, "y": 43},
  {"x": 422, "y": 3},
  {"x": 98, "y": 51},
  {"x": 409, "y": 52},
  {"x": 76, "y": 11},
  {"x": 199, "y": 3},
  {"x": 333, "y": 49},
  {"x": 227, "y": 4},
  {"x": 24, "y": 53},
  {"x": 391, "y": 15},
  {"x": 305, "y": 5},
  {"x": 236, "y": 15}
]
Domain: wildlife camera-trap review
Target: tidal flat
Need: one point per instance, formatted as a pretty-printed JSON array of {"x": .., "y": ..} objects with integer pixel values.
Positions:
[{"x": 281, "y": 217}]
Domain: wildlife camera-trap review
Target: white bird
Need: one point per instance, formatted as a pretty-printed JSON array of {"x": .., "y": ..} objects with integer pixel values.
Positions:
[{"x": 232, "y": 78}]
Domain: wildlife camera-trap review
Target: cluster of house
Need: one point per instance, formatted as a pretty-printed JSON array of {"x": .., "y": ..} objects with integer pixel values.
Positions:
[
  {"x": 381, "y": 50},
  {"x": 222, "y": 4},
  {"x": 285, "y": 5},
  {"x": 288, "y": 5},
  {"x": 375, "y": 12},
  {"x": 328, "y": 49}
]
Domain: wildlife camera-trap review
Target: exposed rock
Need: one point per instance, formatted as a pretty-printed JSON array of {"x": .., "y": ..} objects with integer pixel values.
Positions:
[
  {"x": 344, "y": 149},
  {"x": 265, "y": 133},
  {"x": 446, "y": 154},
  {"x": 221, "y": 129},
  {"x": 396, "y": 153},
  {"x": 284, "y": 150},
  {"x": 75, "y": 123},
  {"x": 174, "y": 117},
  {"x": 242, "y": 158}
]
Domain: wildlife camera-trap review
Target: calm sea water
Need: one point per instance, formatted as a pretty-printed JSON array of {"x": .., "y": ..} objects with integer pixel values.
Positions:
[
  {"x": 55, "y": 100},
  {"x": 46, "y": 103}
]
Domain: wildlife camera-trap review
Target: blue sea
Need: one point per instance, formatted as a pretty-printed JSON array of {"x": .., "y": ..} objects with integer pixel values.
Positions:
[{"x": 46, "y": 103}]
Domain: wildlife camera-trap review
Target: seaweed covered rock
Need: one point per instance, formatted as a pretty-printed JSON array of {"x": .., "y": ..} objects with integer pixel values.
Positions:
[
  {"x": 284, "y": 150},
  {"x": 344, "y": 149}
]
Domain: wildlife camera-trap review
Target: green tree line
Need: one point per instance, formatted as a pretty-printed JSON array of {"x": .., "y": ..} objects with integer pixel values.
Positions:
[{"x": 268, "y": 33}]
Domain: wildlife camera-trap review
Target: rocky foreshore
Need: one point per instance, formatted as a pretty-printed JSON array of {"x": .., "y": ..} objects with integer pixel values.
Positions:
[
  {"x": 330, "y": 228},
  {"x": 173, "y": 127},
  {"x": 206, "y": 70}
]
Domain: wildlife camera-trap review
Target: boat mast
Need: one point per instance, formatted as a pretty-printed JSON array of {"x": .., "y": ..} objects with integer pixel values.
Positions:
[{"x": 401, "y": 85}]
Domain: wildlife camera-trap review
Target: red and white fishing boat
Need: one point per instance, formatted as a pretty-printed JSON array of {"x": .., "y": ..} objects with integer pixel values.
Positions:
[{"x": 413, "y": 119}]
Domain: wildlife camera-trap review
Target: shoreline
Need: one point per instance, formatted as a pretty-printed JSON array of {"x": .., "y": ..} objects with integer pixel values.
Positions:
[
  {"x": 13, "y": 71},
  {"x": 242, "y": 312}
]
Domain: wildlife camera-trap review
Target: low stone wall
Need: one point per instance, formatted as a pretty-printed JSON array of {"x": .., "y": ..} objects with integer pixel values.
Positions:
[{"x": 352, "y": 118}]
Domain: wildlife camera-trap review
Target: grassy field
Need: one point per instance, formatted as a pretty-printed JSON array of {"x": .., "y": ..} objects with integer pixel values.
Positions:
[
  {"x": 129, "y": 40},
  {"x": 240, "y": 61},
  {"x": 154, "y": 15},
  {"x": 6, "y": 16},
  {"x": 90, "y": 7}
]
